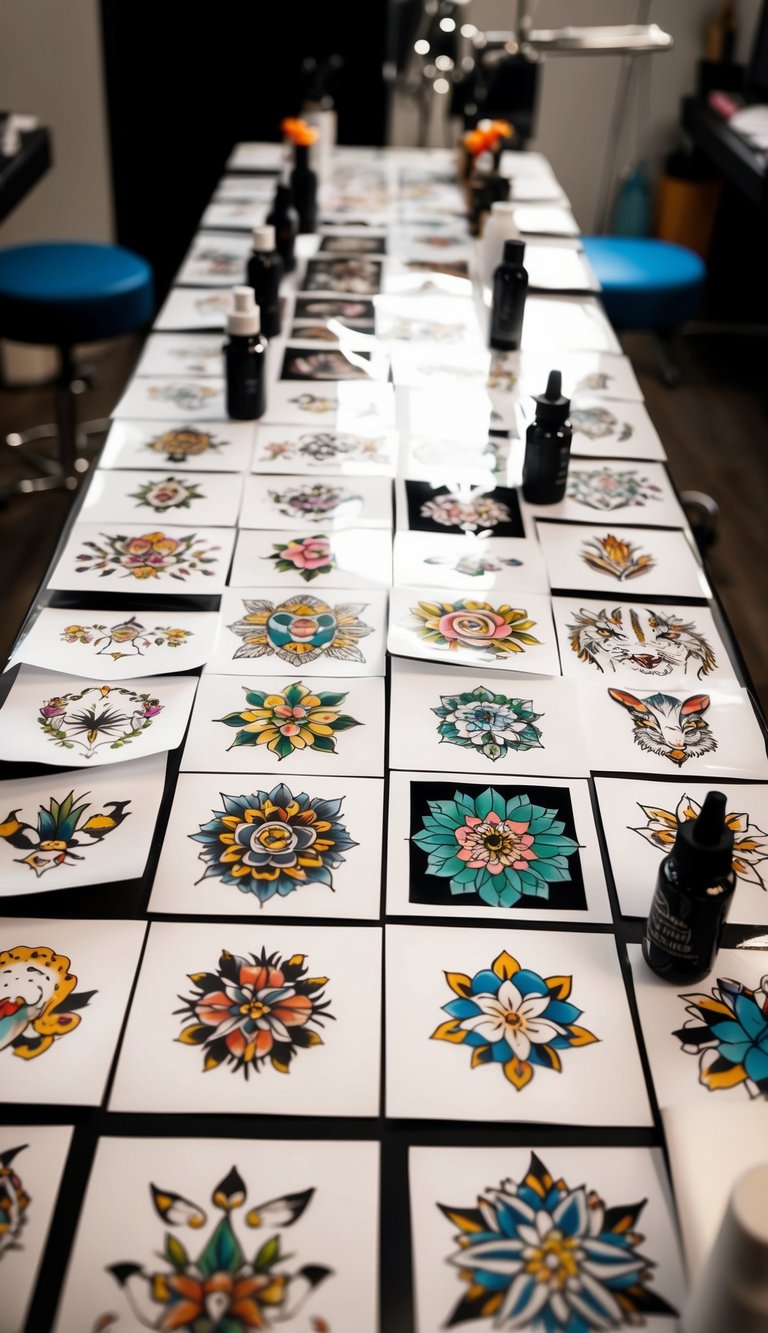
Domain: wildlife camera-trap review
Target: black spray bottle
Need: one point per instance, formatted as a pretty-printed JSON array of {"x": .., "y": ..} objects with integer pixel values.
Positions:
[
  {"x": 510, "y": 288},
  {"x": 245, "y": 358},
  {"x": 264, "y": 274},
  {"x": 693, "y": 894},
  {"x": 548, "y": 445},
  {"x": 285, "y": 221}
]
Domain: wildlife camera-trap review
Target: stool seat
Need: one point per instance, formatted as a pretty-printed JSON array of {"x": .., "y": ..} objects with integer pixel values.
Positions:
[
  {"x": 59, "y": 293},
  {"x": 646, "y": 284}
]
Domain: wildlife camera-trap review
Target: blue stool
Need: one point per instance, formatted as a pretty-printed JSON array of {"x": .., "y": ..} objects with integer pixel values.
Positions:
[
  {"x": 61, "y": 293},
  {"x": 647, "y": 284}
]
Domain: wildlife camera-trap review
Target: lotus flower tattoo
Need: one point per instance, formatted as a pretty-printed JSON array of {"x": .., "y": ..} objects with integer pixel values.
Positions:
[
  {"x": 617, "y": 558},
  {"x": 750, "y": 843},
  {"x": 728, "y": 1031}
]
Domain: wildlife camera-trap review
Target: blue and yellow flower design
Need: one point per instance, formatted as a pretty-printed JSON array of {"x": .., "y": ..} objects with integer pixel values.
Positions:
[{"x": 728, "y": 1030}]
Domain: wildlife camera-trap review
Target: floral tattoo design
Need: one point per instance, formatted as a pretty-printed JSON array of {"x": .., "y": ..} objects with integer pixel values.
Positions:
[
  {"x": 610, "y": 488},
  {"x": 488, "y": 723},
  {"x": 253, "y": 1011},
  {"x": 14, "y": 1202},
  {"x": 512, "y": 1017},
  {"x": 297, "y": 719},
  {"x": 129, "y": 638},
  {"x": 617, "y": 558},
  {"x": 219, "y": 1291},
  {"x": 452, "y": 511},
  {"x": 272, "y": 843},
  {"x": 306, "y": 556},
  {"x": 496, "y": 631},
  {"x": 189, "y": 397},
  {"x": 314, "y": 503},
  {"x": 183, "y": 442},
  {"x": 38, "y": 1002},
  {"x": 495, "y": 847},
  {"x": 147, "y": 556},
  {"x": 750, "y": 843},
  {"x": 301, "y": 629},
  {"x": 728, "y": 1030},
  {"x": 60, "y": 827},
  {"x": 109, "y": 715},
  {"x": 327, "y": 447},
  {"x": 543, "y": 1256},
  {"x": 170, "y": 493}
]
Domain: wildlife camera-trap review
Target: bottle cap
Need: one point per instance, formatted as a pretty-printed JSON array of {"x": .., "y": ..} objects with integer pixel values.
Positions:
[
  {"x": 264, "y": 238},
  {"x": 551, "y": 406},
  {"x": 703, "y": 850},
  {"x": 514, "y": 252},
  {"x": 244, "y": 318},
  {"x": 503, "y": 207}
]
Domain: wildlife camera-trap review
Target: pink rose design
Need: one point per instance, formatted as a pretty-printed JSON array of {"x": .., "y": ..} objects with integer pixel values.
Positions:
[
  {"x": 311, "y": 553},
  {"x": 475, "y": 628}
]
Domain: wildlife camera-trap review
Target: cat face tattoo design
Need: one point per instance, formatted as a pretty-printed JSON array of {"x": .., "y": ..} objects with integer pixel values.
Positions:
[
  {"x": 664, "y": 725},
  {"x": 642, "y": 639}
]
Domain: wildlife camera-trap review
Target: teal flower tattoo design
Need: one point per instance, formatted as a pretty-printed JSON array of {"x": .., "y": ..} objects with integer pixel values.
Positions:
[
  {"x": 488, "y": 723},
  {"x": 497, "y": 848},
  {"x": 728, "y": 1030}
]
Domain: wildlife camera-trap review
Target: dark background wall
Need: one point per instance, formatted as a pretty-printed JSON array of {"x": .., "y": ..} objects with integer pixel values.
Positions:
[{"x": 187, "y": 81}]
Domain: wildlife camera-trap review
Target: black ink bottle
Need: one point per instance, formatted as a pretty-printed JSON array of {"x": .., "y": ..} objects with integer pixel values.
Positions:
[
  {"x": 285, "y": 221},
  {"x": 245, "y": 358},
  {"x": 510, "y": 288},
  {"x": 693, "y": 894},
  {"x": 548, "y": 446},
  {"x": 264, "y": 274},
  {"x": 304, "y": 187}
]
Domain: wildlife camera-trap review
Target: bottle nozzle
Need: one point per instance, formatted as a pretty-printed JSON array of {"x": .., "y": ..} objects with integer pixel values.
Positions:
[
  {"x": 711, "y": 820},
  {"x": 244, "y": 318},
  {"x": 554, "y": 386},
  {"x": 552, "y": 407}
]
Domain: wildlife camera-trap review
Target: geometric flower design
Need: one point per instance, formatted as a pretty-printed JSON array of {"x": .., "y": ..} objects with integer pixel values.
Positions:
[
  {"x": 305, "y": 556},
  {"x": 36, "y": 983},
  {"x": 728, "y": 1030},
  {"x": 183, "y": 442},
  {"x": 495, "y": 630},
  {"x": 147, "y": 556},
  {"x": 499, "y": 849},
  {"x": 297, "y": 719},
  {"x": 610, "y": 555},
  {"x": 273, "y": 842},
  {"x": 452, "y": 511},
  {"x": 170, "y": 493},
  {"x": 253, "y": 1011},
  {"x": 100, "y": 721},
  {"x": 14, "y": 1202},
  {"x": 750, "y": 843},
  {"x": 60, "y": 826},
  {"x": 301, "y": 629},
  {"x": 313, "y": 503},
  {"x": 220, "y": 1291},
  {"x": 129, "y": 633},
  {"x": 512, "y": 1017},
  {"x": 487, "y": 722},
  {"x": 547, "y": 1256},
  {"x": 608, "y": 488}
]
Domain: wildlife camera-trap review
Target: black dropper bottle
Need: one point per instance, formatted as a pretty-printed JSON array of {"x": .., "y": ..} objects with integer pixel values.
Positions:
[
  {"x": 245, "y": 358},
  {"x": 285, "y": 221},
  {"x": 694, "y": 889},
  {"x": 304, "y": 187},
  {"x": 264, "y": 274},
  {"x": 547, "y": 445},
  {"x": 510, "y": 288}
]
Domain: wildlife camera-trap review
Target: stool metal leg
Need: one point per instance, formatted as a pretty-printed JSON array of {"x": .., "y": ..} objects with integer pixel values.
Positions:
[
  {"x": 669, "y": 371},
  {"x": 65, "y": 471}
]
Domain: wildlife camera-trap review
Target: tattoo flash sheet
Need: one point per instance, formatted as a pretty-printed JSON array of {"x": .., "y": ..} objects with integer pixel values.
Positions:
[
  {"x": 149, "y": 557},
  {"x": 500, "y": 848},
  {"x": 272, "y": 844},
  {"x": 707, "y": 1041},
  {"x": 630, "y": 492},
  {"x": 470, "y": 563},
  {"x": 640, "y": 822},
  {"x": 70, "y": 829},
  {"x": 118, "y": 645},
  {"x": 226, "y": 1233},
  {"x": 182, "y": 354},
  {"x": 340, "y": 633},
  {"x": 350, "y": 558},
  {"x": 487, "y": 632},
  {"x": 64, "y": 988},
  {"x": 302, "y": 450},
  {"x": 194, "y": 308},
  {"x": 128, "y": 497},
  {"x": 50, "y": 719},
  {"x": 459, "y": 509},
  {"x": 511, "y": 1026},
  {"x": 172, "y": 398},
  {"x": 362, "y": 409},
  {"x": 328, "y": 727},
  {"x": 317, "y": 504},
  {"x": 215, "y": 259},
  {"x": 604, "y": 376},
  {"x": 614, "y": 560},
  {"x": 32, "y": 1159},
  {"x": 628, "y": 643},
  {"x": 575, "y": 323},
  {"x": 548, "y": 1240},
  {"x": 259, "y": 1020},
  {"x": 663, "y": 730},
  {"x": 220, "y": 446}
]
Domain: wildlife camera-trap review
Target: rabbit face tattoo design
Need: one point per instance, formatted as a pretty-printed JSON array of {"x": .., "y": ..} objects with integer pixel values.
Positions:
[{"x": 664, "y": 725}]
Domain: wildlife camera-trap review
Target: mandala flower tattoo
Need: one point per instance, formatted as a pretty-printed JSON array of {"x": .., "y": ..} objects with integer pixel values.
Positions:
[
  {"x": 182, "y": 443},
  {"x": 451, "y": 511},
  {"x": 610, "y": 488},
  {"x": 313, "y": 503},
  {"x": 219, "y": 1291},
  {"x": 499, "y": 849},
  {"x": 750, "y": 843},
  {"x": 728, "y": 1030},
  {"x": 272, "y": 843},
  {"x": 301, "y": 629},
  {"x": 147, "y": 556},
  {"x": 306, "y": 556},
  {"x": 512, "y": 1017},
  {"x": 170, "y": 493},
  {"x": 494, "y": 631},
  {"x": 14, "y": 1202},
  {"x": 489, "y": 723},
  {"x": 253, "y": 1011},
  {"x": 98, "y": 716},
  {"x": 619, "y": 559},
  {"x": 543, "y": 1256},
  {"x": 297, "y": 719}
]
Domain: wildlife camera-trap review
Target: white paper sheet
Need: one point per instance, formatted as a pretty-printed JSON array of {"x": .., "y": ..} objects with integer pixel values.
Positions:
[
  {"x": 38, "y": 1167},
  {"x": 117, "y": 645},
  {"x": 616, "y": 560},
  {"x": 303, "y": 451},
  {"x": 352, "y": 558},
  {"x": 210, "y": 498},
  {"x": 220, "y": 446},
  {"x": 182, "y": 354},
  {"x": 160, "y": 397},
  {"x": 316, "y": 504},
  {"x": 216, "y": 259},
  {"x": 358, "y": 408},
  {"x": 341, "y": 633},
  {"x": 493, "y": 565},
  {"x": 438, "y": 625},
  {"x": 194, "y": 308},
  {"x": 131, "y": 558},
  {"x": 625, "y": 492}
]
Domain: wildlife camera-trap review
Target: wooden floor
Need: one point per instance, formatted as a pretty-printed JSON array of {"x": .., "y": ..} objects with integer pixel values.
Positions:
[{"x": 714, "y": 427}]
